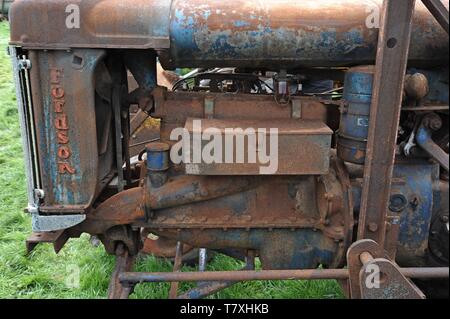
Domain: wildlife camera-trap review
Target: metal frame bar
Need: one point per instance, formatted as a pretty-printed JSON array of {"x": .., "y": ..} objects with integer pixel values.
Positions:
[
  {"x": 132, "y": 278},
  {"x": 26, "y": 128},
  {"x": 439, "y": 11},
  {"x": 392, "y": 57}
]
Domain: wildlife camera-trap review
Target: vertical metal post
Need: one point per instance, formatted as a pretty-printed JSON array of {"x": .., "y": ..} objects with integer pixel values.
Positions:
[
  {"x": 392, "y": 57},
  {"x": 124, "y": 263},
  {"x": 173, "y": 293},
  {"x": 117, "y": 108}
]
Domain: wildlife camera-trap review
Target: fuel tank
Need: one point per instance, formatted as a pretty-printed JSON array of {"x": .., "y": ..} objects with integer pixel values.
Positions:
[
  {"x": 290, "y": 34},
  {"x": 239, "y": 33}
]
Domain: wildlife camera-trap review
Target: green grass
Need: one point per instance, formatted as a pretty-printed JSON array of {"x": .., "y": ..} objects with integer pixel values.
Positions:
[{"x": 43, "y": 274}]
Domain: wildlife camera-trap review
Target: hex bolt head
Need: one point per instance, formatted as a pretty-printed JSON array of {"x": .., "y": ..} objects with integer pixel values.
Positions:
[{"x": 373, "y": 227}]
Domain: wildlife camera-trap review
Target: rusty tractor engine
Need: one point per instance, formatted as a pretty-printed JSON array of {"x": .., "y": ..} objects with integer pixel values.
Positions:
[{"x": 276, "y": 144}]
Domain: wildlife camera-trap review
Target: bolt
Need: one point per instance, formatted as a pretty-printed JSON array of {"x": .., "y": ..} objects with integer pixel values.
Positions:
[
  {"x": 373, "y": 227},
  {"x": 444, "y": 219},
  {"x": 433, "y": 122}
]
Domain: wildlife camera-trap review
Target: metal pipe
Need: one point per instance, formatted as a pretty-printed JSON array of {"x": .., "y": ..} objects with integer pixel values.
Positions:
[
  {"x": 310, "y": 274},
  {"x": 207, "y": 288},
  {"x": 424, "y": 140},
  {"x": 439, "y": 11},
  {"x": 365, "y": 258}
]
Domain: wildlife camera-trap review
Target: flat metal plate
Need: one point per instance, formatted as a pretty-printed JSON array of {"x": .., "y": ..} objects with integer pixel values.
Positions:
[
  {"x": 140, "y": 24},
  {"x": 303, "y": 147}
]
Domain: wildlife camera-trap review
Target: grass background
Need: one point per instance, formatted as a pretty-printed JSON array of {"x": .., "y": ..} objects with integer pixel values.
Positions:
[{"x": 43, "y": 274}]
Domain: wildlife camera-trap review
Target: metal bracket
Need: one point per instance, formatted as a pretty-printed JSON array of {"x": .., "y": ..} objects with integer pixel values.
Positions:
[
  {"x": 372, "y": 276},
  {"x": 439, "y": 11},
  {"x": 392, "y": 284},
  {"x": 53, "y": 223},
  {"x": 24, "y": 64},
  {"x": 296, "y": 109},
  {"x": 392, "y": 58},
  {"x": 57, "y": 238}
]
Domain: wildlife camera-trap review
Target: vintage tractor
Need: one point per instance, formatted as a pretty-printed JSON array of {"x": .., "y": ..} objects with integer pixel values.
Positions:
[{"x": 312, "y": 135}]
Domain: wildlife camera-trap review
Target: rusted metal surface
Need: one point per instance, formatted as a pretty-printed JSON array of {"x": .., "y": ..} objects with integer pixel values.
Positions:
[
  {"x": 303, "y": 147},
  {"x": 394, "y": 41},
  {"x": 372, "y": 275},
  {"x": 124, "y": 263},
  {"x": 232, "y": 211},
  {"x": 298, "y": 219},
  {"x": 393, "y": 285},
  {"x": 306, "y": 274},
  {"x": 173, "y": 293},
  {"x": 355, "y": 264},
  {"x": 104, "y": 24},
  {"x": 439, "y": 11},
  {"x": 121, "y": 209},
  {"x": 205, "y": 289},
  {"x": 355, "y": 111},
  {"x": 174, "y": 108},
  {"x": 57, "y": 238},
  {"x": 210, "y": 33},
  {"x": 266, "y": 203},
  {"x": 67, "y": 153},
  {"x": 160, "y": 246}
]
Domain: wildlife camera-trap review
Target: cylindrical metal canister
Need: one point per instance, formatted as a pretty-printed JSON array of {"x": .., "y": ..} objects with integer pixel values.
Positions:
[
  {"x": 261, "y": 34},
  {"x": 288, "y": 34},
  {"x": 157, "y": 163},
  {"x": 354, "y": 127}
]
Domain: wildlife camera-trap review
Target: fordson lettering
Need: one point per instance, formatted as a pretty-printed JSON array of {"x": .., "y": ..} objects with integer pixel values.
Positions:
[{"x": 61, "y": 123}]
